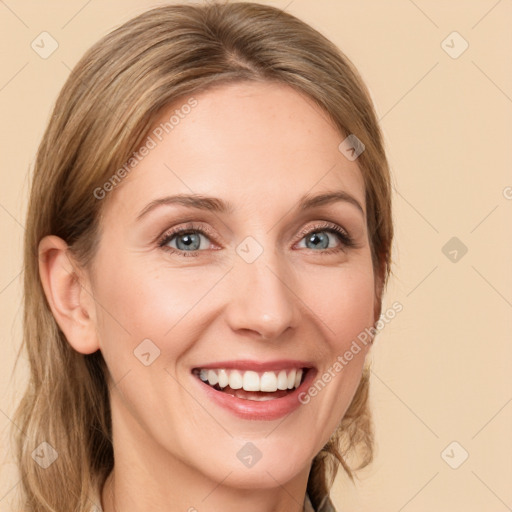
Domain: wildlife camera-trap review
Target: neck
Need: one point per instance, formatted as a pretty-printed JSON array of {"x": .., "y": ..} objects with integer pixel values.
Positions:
[{"x": 148, "y": 477}]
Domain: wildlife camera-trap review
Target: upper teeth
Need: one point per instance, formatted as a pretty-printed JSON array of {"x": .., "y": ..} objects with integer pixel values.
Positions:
[{"x": 252, "y": 381}]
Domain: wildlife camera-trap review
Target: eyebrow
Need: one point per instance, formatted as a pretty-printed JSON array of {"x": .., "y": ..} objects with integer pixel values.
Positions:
[{"x": 213, "y": 204}]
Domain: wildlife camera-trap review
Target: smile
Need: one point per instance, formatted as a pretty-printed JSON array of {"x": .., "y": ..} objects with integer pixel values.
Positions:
[{"x": 255, "y": 390}]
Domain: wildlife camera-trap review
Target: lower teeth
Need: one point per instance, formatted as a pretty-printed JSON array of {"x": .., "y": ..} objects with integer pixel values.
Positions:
[{"x": 257, "y": 396}]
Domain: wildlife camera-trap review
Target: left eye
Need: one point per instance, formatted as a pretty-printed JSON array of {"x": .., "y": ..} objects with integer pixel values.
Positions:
[
  {"x": 187, "y": 240},
  {"x": 319, "y": 238}
]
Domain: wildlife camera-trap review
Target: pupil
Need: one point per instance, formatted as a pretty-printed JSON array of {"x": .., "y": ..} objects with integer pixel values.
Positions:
[
  {"x": 324, "y": 241},
  {"x": 192, "y": 241}
]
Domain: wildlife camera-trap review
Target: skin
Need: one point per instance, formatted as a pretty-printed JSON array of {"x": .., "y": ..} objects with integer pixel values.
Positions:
[{"x": 174, "y": 449}]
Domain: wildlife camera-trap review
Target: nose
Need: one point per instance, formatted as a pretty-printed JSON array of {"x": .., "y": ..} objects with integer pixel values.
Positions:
[{"x": 262, "y": 298}]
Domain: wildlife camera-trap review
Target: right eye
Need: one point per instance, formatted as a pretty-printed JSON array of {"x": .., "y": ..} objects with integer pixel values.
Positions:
[{"x": 188, "y": 240}]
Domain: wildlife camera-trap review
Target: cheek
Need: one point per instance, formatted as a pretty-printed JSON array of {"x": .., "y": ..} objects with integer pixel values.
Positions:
[
  {"x": 140, "y": 301},
  {"x": 344, "y": 302}
]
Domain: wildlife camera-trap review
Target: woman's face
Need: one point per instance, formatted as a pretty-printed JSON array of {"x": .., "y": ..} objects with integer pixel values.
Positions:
[{"x": 252, "y": 292}]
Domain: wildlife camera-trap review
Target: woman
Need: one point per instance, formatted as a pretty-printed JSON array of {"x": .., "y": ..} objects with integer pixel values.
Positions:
[{"x": 208, "y": 237}]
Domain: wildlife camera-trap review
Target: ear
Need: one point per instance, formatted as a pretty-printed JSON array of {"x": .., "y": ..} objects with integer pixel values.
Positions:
[{"x": 69, "y": 294}]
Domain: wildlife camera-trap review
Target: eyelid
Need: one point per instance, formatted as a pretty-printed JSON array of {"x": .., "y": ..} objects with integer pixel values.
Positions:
[{"x": 324, "y": 225}]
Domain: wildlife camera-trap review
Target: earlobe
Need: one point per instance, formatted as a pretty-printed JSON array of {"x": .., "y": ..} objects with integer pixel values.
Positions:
[{"x": 71, "y": 303}]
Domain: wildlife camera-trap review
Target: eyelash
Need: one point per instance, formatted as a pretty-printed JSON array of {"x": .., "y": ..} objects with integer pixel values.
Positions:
[{"x": 346, "y": 240}]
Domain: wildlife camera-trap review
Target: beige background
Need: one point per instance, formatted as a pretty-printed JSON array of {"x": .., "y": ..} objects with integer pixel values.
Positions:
[{"x": 441, "y": 368}]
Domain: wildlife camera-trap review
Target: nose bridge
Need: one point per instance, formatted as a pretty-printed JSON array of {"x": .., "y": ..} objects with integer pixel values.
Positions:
[{"x": 262, "y": 300}]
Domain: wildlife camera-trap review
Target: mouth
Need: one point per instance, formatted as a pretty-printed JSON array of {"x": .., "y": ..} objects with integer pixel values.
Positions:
[{"x": 253, "y": 385}]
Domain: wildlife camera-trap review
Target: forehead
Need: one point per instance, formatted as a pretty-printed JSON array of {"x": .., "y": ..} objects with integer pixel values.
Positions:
[{"x": 247, "y": 142}]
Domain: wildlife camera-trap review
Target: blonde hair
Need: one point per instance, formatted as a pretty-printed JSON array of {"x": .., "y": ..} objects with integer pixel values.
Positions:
[{"x": 102, "y": 114}]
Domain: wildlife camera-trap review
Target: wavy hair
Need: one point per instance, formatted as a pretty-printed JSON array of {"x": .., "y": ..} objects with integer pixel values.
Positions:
[{"x": 103, "y": 112}]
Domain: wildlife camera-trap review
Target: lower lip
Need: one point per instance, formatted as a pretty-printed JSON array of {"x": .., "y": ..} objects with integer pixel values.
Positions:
[{"x": 253, "y": 410}]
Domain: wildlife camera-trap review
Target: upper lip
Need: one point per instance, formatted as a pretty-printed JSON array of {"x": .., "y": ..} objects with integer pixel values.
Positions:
[{"x": 257, "y": 366}]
